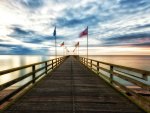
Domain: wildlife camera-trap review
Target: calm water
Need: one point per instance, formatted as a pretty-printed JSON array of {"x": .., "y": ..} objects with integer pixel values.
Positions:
[
  {"x": 139, "y": 62},
  {"x": 136, "y": 61},
  {"x": 11, "y": 61}
]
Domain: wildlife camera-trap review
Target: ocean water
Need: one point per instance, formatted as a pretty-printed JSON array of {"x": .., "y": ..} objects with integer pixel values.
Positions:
[
  {"x": 12, "y": 61},
  {"x": 134, "y": 61}
]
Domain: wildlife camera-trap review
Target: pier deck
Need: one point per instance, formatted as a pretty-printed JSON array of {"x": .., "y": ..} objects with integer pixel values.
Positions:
[{"x": 72, "y": 88}]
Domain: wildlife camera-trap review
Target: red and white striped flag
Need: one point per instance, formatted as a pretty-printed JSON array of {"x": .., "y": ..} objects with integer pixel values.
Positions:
[
  {"x": 62, "y": 44},
  {"x": 84, "y": 33},
  {"x": 77, "y": 44}
]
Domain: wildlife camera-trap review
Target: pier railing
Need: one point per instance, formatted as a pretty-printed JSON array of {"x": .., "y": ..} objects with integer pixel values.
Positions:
[
  {"x": 134, "y": 83},
  {"x": 38, "y": 70}
]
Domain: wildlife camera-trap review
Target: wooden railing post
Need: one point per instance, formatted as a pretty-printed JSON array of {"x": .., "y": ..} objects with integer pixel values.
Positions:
[
  {"x": 91, "y": 64},
  {"x": 81, "y": 60},
  {"x": 97, "y": 67},
  {"x": 45, "y": 67},
  {"x": 52, "y": 64},
  {"x": 33, "y": 75},
  {"x": 56, "y": 62},
  {"x": 87, "y": 63},
  {"x": 59, "y": 60},
  {"x": 111, "y": 74},
  {"x": 144, "y": 76}
]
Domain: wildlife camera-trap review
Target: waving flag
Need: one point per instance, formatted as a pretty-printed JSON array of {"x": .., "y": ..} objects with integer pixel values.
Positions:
[
  {"x": 74, "y": 49},
  {"x": 62, "y": 44},
  {"x": 77, "y": 44},
  {"x": 84, "y": 33},
  {"x": 54, "y": 33}
]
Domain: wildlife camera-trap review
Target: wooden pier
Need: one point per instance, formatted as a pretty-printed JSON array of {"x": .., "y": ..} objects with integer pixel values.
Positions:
[{"x": 71, "y": 88}]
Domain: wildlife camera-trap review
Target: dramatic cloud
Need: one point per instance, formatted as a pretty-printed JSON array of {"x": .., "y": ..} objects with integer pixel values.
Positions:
[
  {"x": 26, "y": 26},
  {"x": 32, "y": 4},
  {"x": 129, "y": 39}
]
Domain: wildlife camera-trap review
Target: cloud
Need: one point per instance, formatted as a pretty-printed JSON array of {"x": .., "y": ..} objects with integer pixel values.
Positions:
[
  {"x": 143, "y": 26},
  {"x": 32, "y": 4},
  {"x": 142, "y": 39},
  {"x": 28, "y": 25},
  {"x": 21, "y": 49},
  {"x": 20, "y": 31},
  {"x": 133, "y": 4},
  {"x": 29, "y": 36},
  {"x": 91, "y": 20},
  {"x": 132, "y": 7},
  {"x": 5, "y": 50}
]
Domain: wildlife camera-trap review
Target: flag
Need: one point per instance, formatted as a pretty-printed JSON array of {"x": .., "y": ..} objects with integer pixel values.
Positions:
[
  {"x": 84, "y": 33},
  {"x": 74, "y": 50},
  {"x": 54, "y": 33},
  {"x": 62, "y": 44},
  {"x": 77, "y": 44}
]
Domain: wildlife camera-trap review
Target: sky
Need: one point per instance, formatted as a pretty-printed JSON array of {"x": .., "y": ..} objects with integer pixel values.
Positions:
[{"x": 116, "y": 27}]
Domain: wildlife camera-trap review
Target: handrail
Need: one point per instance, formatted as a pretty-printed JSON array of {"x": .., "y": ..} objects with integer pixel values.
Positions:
[
  {"x": 124, "y": 67},
  {"x": 22, "y": 67},
  {"x": 144, "y": 73},
  {"x": 110, "y": 72},
  {"x": 49, "y": 65}
]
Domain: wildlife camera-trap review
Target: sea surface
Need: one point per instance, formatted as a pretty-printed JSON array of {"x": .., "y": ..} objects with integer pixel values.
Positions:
[
  {"x": 12, "y": 61},
  {"x": 134, "y": 61},
  {"x": 141, "y": 62}
]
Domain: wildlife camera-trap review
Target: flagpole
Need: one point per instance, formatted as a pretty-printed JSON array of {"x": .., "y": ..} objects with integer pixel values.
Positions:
[
  {"x": 55, "y": 47},
  {"x": 66, "y": 50},
  {"x": 78, "y": 50},
  {"x": 87, "y": 42},
  {"x": 63, "y": 51}
]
